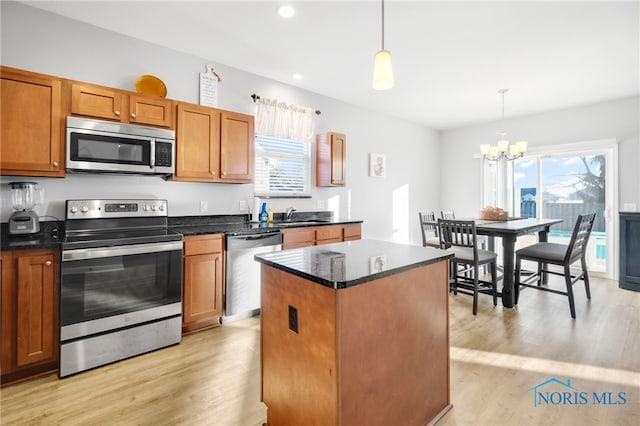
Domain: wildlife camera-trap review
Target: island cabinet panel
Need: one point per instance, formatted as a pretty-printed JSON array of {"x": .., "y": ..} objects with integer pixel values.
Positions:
[
  {"x": 202, "y": 283},
  {"x": 30, "y": 321},
  {"x": 375, "y": 353},
  {"x": 312, "y": 351},
  {"x": 32, "y": 124}
]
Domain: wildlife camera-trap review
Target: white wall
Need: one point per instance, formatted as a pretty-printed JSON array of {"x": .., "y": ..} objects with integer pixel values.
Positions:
[
  {"x": 39, "y": 41},
  {"x": 619, "y": 119}
]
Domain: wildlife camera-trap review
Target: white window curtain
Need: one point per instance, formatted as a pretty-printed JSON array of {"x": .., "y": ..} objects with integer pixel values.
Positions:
[{"x": 281, "y": 120}]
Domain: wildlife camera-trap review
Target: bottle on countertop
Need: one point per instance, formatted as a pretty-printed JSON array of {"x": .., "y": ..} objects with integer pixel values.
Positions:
[
  {"x": 270, "y": 214},
  {"x": 264, "y": 216}
]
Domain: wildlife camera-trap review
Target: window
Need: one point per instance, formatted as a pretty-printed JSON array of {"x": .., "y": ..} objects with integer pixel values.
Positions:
[{"x": 282, "y": 167}]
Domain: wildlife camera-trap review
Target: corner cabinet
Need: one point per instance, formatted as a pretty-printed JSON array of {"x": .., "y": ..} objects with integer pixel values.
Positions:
[
  {"x": 330, "y": 159},
  {"x": 30, "y": 321},
  {"x": 32, "y": 124},
  {"x": 629, "y": 249},
  {"x": 126, "y": 107},
  {"x": 202, "y": 282},
  {"x": 213, "y": 145}
]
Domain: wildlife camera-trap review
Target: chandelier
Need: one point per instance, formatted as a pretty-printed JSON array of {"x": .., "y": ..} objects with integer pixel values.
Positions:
[{"x": 503, "y": 149}]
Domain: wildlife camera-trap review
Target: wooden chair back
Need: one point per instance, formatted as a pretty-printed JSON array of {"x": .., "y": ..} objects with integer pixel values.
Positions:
[
  {"x": 458, "y": 233},
  {"x": 428, "y": 226},
  {"x": 580, "y": 237}
]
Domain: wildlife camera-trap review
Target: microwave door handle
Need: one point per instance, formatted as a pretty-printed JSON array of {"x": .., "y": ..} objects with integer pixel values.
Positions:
[{"x": 152, "y": 154}]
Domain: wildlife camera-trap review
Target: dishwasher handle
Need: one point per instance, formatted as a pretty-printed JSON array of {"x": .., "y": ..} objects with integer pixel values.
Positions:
[{"x": 249, "y": 241}]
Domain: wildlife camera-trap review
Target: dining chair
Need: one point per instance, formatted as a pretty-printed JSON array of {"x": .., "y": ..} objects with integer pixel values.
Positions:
[
  {"x": 558, "y": 254},
  {"x": 429, "y": 228},
  {"x": 460, "y": 238},
  {"x": 483, "y": 240}
]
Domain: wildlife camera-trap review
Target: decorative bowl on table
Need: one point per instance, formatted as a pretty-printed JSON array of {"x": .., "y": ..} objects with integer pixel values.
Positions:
[{"x": 493, "y": 213}]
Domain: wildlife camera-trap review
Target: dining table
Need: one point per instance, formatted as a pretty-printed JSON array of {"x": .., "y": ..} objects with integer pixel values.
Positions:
[{"x": 508, "y": 231}]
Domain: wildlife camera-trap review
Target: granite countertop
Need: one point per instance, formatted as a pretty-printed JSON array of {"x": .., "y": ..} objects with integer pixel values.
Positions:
[
  {"x": 51, "y": 233},
  {"x": 343, "y": 265},
  {"x": 241, "y": 225},
  {"x": 50, "y": 236}
]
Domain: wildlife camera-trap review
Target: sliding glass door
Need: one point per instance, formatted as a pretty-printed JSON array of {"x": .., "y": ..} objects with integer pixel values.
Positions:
[{"x": 562, "y": 182}]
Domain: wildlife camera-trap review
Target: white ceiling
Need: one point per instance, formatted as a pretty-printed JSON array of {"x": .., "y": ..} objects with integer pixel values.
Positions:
[{"x": 449, "y": 57}]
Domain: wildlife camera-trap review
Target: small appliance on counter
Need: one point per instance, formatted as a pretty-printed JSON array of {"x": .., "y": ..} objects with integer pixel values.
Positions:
[{"x": 24, "y": 197}]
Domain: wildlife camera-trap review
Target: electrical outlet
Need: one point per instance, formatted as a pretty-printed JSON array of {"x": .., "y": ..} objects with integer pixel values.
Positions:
[
  {"x": 629, "y": 207},
  {"x": 319, "y": 204},
  {"x": 293, "y": 319},
  {"x": 242, "y": 206},
  {"x": 203, "y": 206}
]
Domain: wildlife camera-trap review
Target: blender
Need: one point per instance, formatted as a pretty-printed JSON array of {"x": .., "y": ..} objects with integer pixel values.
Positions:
[{"x": 25, "y": 196}]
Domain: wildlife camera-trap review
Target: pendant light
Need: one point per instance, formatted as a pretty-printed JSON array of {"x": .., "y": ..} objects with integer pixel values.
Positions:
[{"x": 382, "y": 71}]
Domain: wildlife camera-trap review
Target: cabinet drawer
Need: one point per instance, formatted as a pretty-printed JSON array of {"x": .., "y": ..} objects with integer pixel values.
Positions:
[
  {"x": 329, "y": 233},
  {"x": 202, "y": 244},
  {"x": 303, "y": 235},
  {"x": 352, "y": 232}
]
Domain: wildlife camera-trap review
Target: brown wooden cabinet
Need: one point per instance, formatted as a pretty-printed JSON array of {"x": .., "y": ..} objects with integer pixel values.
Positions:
[
  {"x": 30, "y": 321},
  {"x": 352, "y": 231},
  {"x": 202, "y": 283},
  {"x": 213, "y": 145},
  {"x": 113, "y": 104},
  {"x": 316, "y": 235},
  {"x": 32, "y": 125},
  {"x": 330, "y": 159}
]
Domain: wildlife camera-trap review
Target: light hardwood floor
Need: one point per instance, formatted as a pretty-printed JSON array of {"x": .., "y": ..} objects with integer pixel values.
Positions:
[{"x": 497, "y": 357}]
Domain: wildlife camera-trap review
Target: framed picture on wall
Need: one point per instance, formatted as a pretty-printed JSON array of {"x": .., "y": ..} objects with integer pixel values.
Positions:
[{"x": 377, "y": 165}]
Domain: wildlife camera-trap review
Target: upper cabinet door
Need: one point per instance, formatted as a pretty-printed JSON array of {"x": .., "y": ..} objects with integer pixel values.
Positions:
[
  {"x": 150, "y": 110},
  {"x": 330, "y": 159},
  {"x": 236, "y": 147},
  {"x": 197, "y": 143},
  {"x": 97, "y": 102},
  {"x": 338, "y": 144},
  {"x": 31, "y": 140}
]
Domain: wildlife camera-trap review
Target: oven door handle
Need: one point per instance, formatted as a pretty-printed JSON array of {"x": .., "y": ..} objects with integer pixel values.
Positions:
[{"x": 96, "y": 253}]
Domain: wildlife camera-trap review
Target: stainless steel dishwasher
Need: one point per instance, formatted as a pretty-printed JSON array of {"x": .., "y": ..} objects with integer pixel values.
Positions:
[{"x": 242, "y": 295}]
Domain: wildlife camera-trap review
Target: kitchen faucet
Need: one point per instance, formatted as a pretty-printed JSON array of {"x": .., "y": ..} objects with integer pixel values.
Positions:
[{"x": 290, "y": 211}]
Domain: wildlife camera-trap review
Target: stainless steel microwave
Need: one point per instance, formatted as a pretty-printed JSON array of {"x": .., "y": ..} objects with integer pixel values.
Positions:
[{"x": 97, "y": 146}]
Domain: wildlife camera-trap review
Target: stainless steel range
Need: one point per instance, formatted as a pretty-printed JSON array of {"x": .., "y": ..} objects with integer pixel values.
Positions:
[{"x": 121, "y": 282}]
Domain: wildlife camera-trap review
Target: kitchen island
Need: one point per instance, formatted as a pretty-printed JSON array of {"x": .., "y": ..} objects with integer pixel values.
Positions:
[{"x": 355, "y": 333}]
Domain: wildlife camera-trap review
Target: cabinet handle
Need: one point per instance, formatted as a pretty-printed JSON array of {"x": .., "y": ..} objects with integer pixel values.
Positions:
[
  {"x": 133, "y": 116},
  {"x": 118, "y": 113},
  {"x": 213, "y": 172},
  {"x": 55, "y": 164},
  {"x": 224, "y": 173},
  {"x": 47, "y": 263}
]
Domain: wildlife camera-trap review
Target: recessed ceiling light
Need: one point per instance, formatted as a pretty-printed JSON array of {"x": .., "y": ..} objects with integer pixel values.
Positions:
[
  {"x": 298, "y": 76},
  {"x": 286, "y": 11}
]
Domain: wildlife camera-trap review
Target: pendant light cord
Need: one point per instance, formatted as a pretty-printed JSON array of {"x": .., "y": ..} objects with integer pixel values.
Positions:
[{"x": 382, "y": 24}]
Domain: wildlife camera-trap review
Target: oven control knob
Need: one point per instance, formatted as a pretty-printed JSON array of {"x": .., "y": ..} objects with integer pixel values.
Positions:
[
  {"x": 161, "y": 207},
  {"x": 84, "y": 209},
  {"x": 73, "y": 209},
  {"x": 153, "y": 207},
  {"x": 145, "y": 208}
]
